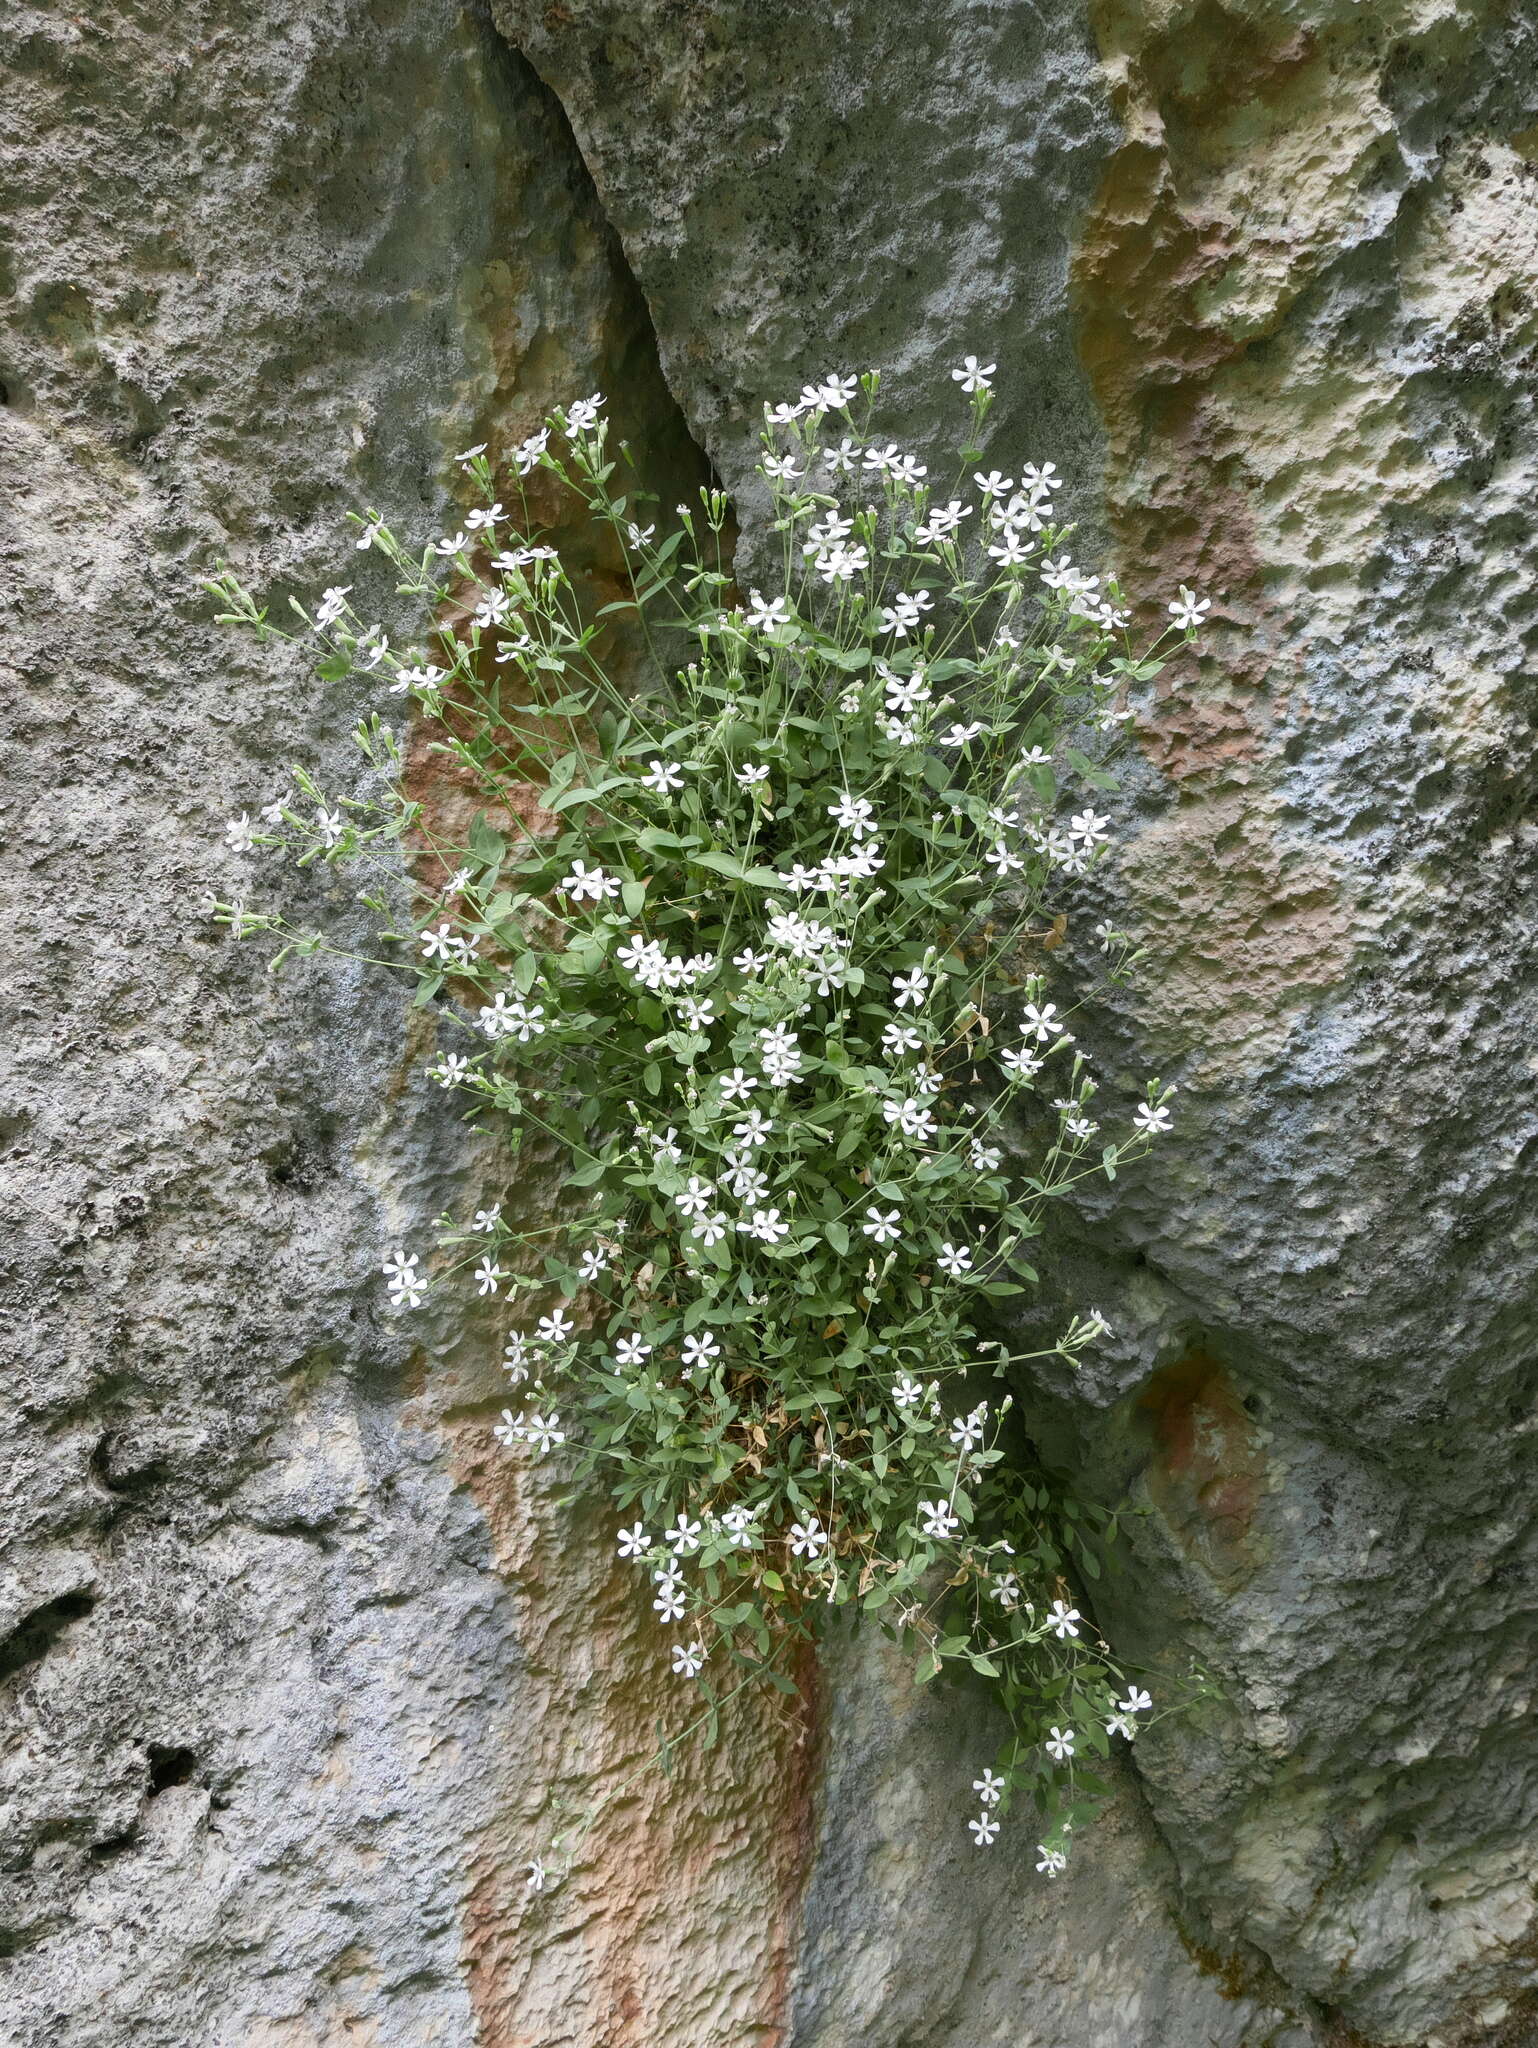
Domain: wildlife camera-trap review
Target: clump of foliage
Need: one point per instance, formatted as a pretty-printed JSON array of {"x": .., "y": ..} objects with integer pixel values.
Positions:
[{"x": 765, "y": 967}]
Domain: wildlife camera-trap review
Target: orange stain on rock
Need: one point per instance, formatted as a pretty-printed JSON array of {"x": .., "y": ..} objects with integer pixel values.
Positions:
[{"x": 1209, "y": 1469}]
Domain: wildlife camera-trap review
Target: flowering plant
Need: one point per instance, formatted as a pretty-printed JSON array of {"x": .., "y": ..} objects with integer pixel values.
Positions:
[{"x": 767, "y": 967}]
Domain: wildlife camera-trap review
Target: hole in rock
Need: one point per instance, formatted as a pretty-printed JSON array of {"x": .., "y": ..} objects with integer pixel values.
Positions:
[{"x": 168, "y": 1767}]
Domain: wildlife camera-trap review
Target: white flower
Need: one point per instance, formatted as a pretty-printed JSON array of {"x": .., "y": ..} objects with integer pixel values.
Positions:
[
  {"x": 1118, "y": 1724},
  {"x": 754, "y": 1130},
  {"x": 331, "y": 607},
  {"x": 938, "y": 1519},
  {"x": 487, "y": 1274},
  {"x": 697, "y": 1012},
  {"x": 881, "y": 1229},
  {"x": 986, "y": 1158},
  {"x": 539, "y": 1876},
  {"x": 1060, "y": 1744},
  {"x": 329, "y": 825},
  {"x": 766, "y": 1225},
  {"x": 406, "y": 1286},
  {"x": 1041, "y": 1024},
  {"x": 710, "y": 1229},
  {"x": 900, "y": 1038},
  {"x": 1052, "y": 1860},
  {"x": 1089, "y": 825},
  {"x": 488, "y": 1219},
  {"x": 1006, "y": 1590},
  {"x": 960, "y": 735},
  {"x": 1189, "y": 610},
  {"x": 993, "y": 485},
  {"x": 634, "y": 1541},
  {"x": 698, "y": 1351},
  {"x": 988, "y": 1787},
  {"x": 584, "y": 413},
  {"x": 738, "y": 1524},
  {"x": 1006, "y": 862},
  {"x": 984, "y": 1829},
  {"x": 662, "y": 778},
  {"x": 237, "y": 834},
  {"x": 736, "y": 1084},
  {"x": 695, "y": 1198},
  {"x": 782, "y": 468},
  {"x": 684, "y": 1536},
  {"x": 910, "y": 989},
  {"x": 582, "y": 882},
  {"x": 525, "y": 1021},
  {"x": 454, "y": 544},
  {"x": 845, "y": 457},
  {"x": 632, "y": 1350},
  {"x": 973, "y": 375},
  {"x": 1136, "y": 1702},
  {"x": 1021, "y": 1064},
  {"x": 545, "y": 1432},
  {"x": 853, "y": 814},
  {"x": 764, "y": 615},
  {"x": 528, "y": 452},
  {"x": 686, "y": 1662},
  {"x": 592, "y": 1263},
  {"x": 808, "y": 1538},
  {"x": 554, "y": 1328},
  {"x": 1063, "y": 1619},
  {"x": 1152, "y": 1119},
  {"x": 967, "y": 1430},
  {"x": 669, "y": 1602},
  {"x": 904, "y": 612},
  {"x": 752, "y": 772}
]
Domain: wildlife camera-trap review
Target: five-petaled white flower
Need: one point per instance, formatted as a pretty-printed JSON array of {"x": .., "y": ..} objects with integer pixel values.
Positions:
[
  {"x": 710, "y": 1229},
  {"x": 585, "y": 882},
  {"x": 487, "y": 1274},
  {"x": 684, "y": 1537},
  {"x": 1189, "y": 610},
  {"x": 1006, "y": 1590},
  {"x": 669, "y": 1602},
  {"x": 1152, "y": 1119},
  {"x": 699, "y": 1350},
  {"x": 1041, "y": 1023},
  {"x": 973, "y": 375},
  {"x": 984, "y": 1829},
  {"x": 687, "y": 1660},
  {"x": 450, "y": 1070},
  {"x": 634, "y": 1541},
  {"x": 737, "y": 1084},
  {"x": 632, "y": 1350},
  {"x": 955, "y": 1260},
  {"x": 907, "y": 1393},
  {"x": 881, "y": 1229},
  {"x": 910, "y": 989},
  {"x": 1063, "y": 1619},
  {"x": 1052, "y": 1860},
  {"x": 967, "y": 1430},
  {"x": 544, "y": 1432},
  {"x": 938, "y": 1519},
  {"x": 554, "y": 1328},
  {"x": 539, "y": 1877},
  {"x": 1060, "y": 1744},
  {"x": 988, "y": 1787},
  {"x": 764, "y": 615},
  {"x": 808, "y": 1538},
  {"x": 662, "y": 778},
  {"x": 1136, "y": 1702},
  {"x": 752, "y": 772}
]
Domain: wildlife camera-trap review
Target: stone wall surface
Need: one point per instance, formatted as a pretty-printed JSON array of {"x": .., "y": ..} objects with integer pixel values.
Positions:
[{"x": 291, "y": 1654}]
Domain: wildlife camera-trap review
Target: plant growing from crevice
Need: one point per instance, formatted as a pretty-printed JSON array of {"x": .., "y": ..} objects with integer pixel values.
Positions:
[{"x": 765, "y": 969}]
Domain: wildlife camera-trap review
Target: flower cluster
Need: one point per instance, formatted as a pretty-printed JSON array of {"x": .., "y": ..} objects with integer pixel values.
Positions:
[{"x": 772, "y": 977}]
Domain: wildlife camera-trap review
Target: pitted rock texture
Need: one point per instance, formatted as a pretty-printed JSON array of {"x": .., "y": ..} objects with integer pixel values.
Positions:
[
  {"x": 1263, "y": 274},
  {"x": 291, "y": 1656}
]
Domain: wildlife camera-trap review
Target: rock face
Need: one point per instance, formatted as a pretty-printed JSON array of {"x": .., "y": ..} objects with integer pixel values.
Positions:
[{"x": 289, "y": 1652}]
